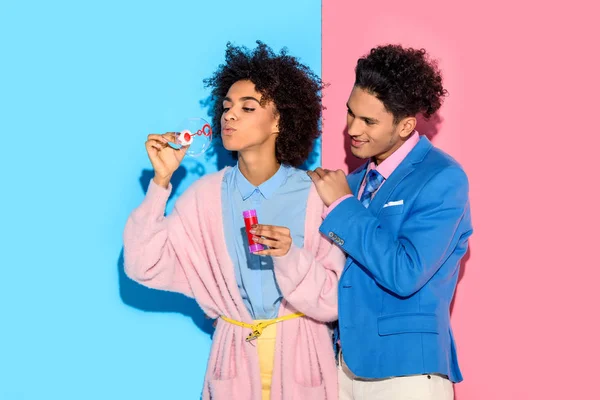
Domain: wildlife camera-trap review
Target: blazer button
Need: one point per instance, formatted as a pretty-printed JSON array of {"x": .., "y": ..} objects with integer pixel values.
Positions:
[
  {"x": 342, "y": 242},
  {"x": 331, "y": 234}
]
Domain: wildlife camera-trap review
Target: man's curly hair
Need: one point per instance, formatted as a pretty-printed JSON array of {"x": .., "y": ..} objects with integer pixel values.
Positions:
[
  {"x": 294, "y": 89},
  {"x": 404, "y": 79}
]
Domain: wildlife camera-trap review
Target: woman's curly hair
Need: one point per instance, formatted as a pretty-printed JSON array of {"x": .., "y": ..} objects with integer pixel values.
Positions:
[
  {"x": 294, "y": 89},
  {"x": 404, "y": 79}
]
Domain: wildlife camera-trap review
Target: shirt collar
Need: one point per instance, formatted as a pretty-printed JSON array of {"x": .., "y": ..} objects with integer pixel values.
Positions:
[
  {"x": 266, "y": 189},
  {"x": 391, "y": 163}
]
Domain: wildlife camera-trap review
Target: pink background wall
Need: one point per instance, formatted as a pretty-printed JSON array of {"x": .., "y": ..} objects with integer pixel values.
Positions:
[{"x": 521, "y": 118}]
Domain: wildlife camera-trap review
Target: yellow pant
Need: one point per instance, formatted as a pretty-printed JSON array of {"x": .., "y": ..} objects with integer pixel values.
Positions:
[{"x": 266, "y": 353}]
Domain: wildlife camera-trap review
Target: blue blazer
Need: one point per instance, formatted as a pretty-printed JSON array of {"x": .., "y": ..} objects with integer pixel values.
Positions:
[{"x": 404, "y": 255}]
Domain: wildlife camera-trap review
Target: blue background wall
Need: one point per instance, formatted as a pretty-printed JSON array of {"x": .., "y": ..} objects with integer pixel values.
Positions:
[{"x": 86, "y": 82}]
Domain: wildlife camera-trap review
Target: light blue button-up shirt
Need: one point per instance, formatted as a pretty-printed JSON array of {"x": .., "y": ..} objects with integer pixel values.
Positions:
[{"x": 279, "y": 201}]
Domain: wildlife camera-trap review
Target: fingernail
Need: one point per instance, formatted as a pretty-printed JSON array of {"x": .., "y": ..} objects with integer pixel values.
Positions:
[
  {"x": 255, "y": 238},
  {"x": 252, "y": 231}
]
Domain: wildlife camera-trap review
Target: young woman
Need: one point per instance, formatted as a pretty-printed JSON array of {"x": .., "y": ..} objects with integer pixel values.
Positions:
[{"x": 271, "y": 339}]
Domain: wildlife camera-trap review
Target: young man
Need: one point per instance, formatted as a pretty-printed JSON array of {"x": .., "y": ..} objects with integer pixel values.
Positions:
[{"x": 405, "y": 233}]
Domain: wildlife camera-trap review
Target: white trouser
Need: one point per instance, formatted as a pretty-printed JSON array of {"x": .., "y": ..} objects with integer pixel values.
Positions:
[{"x": 413, "y": 387}]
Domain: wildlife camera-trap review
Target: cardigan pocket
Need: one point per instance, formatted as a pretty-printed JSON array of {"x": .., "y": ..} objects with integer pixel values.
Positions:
[
  {"x": 301, "y": 392},
  {"x": 228, "y": 389}
]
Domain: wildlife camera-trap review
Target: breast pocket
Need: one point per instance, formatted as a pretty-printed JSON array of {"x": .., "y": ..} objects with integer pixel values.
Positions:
[{"x": 392, "y": 210}]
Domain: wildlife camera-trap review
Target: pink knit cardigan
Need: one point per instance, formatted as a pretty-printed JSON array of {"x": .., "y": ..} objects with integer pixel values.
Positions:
[{"x": 186, "y": 253}]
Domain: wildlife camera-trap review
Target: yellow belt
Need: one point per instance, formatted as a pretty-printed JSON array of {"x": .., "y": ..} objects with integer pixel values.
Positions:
[{"x": 257, "y": 329}]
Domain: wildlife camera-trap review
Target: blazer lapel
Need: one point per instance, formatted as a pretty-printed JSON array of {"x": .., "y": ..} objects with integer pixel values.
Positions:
[
  {"x": 406, "y": 167},
  {"x": 356, "y": 178}
]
